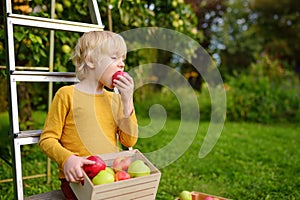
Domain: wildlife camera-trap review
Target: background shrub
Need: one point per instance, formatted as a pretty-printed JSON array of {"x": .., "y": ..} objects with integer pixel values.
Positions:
[{"x": 266, "y": 93}]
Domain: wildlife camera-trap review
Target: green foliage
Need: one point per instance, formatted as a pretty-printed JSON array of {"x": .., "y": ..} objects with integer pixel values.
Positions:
[
  {"x": 147, "y": 96},
  {"x": 267, "y": 93},
  {"x": 3, "y": 93},
  {"x": 4, "y": 139},
  {"x": 249, "y": 161},
  {"x": 254, "y": 26},
  {"x": 273, "y": 17}
]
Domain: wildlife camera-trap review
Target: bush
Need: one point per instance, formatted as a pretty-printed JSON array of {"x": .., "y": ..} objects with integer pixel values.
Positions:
[
  {"x": 162, "y": 102},
  {"x": 266, "y": 94},
  {"x": 3, "y": 92}
]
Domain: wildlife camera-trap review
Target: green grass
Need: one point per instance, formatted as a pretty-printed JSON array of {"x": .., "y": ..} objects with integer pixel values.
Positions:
[{"x": 249, "y": 161}]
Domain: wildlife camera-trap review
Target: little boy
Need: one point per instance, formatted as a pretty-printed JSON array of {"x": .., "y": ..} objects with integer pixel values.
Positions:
[{"x": 84, "y": 119}]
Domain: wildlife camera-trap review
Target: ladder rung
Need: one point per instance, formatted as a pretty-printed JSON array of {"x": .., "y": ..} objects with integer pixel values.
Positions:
[
  {"x": 34, "y": 76},
  {"x": 27, "y": 137},
  {"x": 27, "y": 68},
  {"x": 53, "y": 24},
  {"x": 29, "y": 133}
]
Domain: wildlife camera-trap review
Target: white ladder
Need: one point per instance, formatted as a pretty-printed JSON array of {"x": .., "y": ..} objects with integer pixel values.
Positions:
[{"x": 14, "y": 75}]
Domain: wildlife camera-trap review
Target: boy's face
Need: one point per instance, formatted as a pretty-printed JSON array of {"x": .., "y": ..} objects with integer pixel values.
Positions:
[{"x": 107, "y": 66}]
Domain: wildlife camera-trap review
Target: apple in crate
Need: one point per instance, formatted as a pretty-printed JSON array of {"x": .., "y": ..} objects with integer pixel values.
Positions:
[
  {"x": 92, "y": 170},
  {"x": 103, "y": 177},
  {"x": 121, "y": 163},
  {"x": 110, "y": 170},
  {"x": 122, "y": 175},
  {"x": 138, "y": 168}
]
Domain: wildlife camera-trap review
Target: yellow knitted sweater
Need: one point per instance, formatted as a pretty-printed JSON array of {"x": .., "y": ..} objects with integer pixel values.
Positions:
[{"x": 85, "y": 124}]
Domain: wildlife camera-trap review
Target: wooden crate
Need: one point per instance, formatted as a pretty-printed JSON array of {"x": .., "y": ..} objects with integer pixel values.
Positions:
[
  {"x": 141, "y": 188},
  {"x": 202, "y": 196}
]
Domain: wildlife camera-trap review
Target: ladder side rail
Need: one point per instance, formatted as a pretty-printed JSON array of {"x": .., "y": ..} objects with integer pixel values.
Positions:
[
  {"x": 14, "y": 108},
  {"x": 17, "y": 170},
  {"x": 94, "y": 12},
  {"x": 13, "y": 104}
]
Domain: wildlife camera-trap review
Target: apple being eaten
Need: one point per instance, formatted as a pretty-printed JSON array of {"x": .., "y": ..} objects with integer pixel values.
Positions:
[
  {"x": 115, "y": 75},
  {"x": 103, "y": 177},
  {"x": 92, "y": 170},
  {"x": 122, "y": 175},
  {"x": 121, "y": 163},
  {"x": 138, "y": 168}
]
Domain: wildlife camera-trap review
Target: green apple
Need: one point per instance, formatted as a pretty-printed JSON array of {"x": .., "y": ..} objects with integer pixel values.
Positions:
[
  {"x": 66, "y": 48},
  {"x": 103, "y": 177},
  {"x": 59, "y": 7},
  {"x": 138, "y": 168},
  {"x": 110, "y": 170},
  {"x": 185, "y": 195},
  {"x": 67, "y": 3}
]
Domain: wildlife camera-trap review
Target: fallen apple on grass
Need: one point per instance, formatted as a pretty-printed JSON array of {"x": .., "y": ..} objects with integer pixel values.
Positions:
[
  {"x": 138, "y": 168},
  {"x": 185, "y": 195},
  {"x": 121, "y": 163},
  {"x": 92, "y": 170},
  {"x": 121, "y": 175}
]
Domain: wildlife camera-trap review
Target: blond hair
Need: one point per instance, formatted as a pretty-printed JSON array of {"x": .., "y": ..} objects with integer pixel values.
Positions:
[{"x": 92, "y": 45}]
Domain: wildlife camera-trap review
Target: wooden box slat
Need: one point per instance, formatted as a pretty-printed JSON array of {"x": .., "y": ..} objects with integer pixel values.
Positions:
[{"x": 202, "y": 196}]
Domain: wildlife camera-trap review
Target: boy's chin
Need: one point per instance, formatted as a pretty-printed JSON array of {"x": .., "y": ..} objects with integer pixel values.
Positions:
[{"x": 110, "y": 88}]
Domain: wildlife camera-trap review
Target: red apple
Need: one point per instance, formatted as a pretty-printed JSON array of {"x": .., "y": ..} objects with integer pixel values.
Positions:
[
  {"x": 94, "y": 169},
  {"x": 121, "y": 163},
  {"x": 115, "y": 75},
  {"x": 122, "y": 175}
]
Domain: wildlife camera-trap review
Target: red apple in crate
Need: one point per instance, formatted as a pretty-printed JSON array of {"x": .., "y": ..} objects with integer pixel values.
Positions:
[
  {"x": 121, "y": 163},
  {"x": 122, "y": 175},
  {"x": 92, "y": 170},
  {"x": 115, "y": 75}
]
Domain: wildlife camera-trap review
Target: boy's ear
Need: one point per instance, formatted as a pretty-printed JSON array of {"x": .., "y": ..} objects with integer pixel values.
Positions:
[{"x": 89, "y": 63}]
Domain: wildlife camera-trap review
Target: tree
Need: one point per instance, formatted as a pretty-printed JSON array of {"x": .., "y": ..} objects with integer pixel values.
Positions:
[
  {"x": 278, "y": 22},
  {"x": 252, "y": 27}
]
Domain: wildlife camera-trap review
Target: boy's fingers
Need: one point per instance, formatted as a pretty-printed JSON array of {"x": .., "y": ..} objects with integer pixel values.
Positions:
[{"x": 87, "y": 162}]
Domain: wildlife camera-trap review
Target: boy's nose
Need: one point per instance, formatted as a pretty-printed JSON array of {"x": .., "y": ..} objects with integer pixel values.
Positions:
[{"x": 121, "y": 64}]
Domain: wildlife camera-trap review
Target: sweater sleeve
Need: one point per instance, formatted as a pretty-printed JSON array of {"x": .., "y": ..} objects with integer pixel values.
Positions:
[
  {"x": 53, "y": 127},
  {"x": 127, "y": 128}
]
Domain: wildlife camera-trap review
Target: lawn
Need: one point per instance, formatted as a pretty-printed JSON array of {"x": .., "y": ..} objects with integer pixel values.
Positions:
[{"x": 249, "y": 161}]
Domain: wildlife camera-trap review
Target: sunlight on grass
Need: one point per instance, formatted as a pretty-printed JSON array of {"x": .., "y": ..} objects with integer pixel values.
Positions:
[{"x": 249, "y": 161}]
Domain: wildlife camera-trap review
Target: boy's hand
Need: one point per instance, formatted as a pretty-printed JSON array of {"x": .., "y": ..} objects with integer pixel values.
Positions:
[
  {"x": 73, "y": 168},
  {"x": 125, "y": 85}
]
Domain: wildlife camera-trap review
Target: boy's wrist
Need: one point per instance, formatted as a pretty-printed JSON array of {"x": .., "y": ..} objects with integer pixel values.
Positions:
[{"x": 128, "y": 109}]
